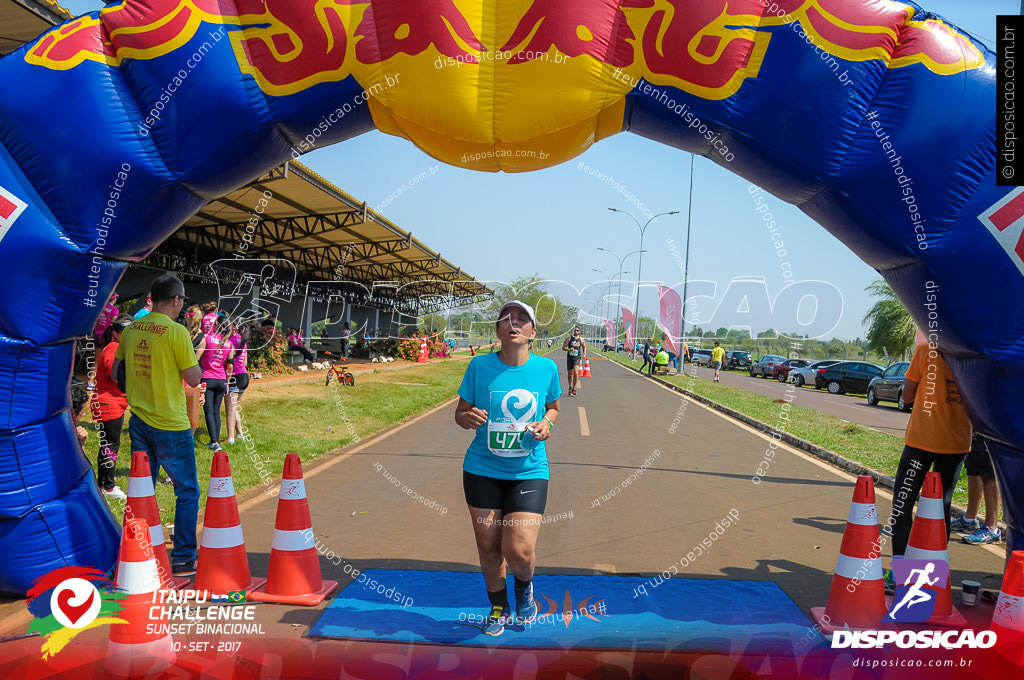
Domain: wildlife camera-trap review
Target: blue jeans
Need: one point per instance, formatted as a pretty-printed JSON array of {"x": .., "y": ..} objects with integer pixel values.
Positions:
[{"x": 176, "y": 453}]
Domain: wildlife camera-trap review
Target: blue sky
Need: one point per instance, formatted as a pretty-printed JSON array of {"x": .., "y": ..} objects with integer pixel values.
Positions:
[{"x": 561, "y": 217}]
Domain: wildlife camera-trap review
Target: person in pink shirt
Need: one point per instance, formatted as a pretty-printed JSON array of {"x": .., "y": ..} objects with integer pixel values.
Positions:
[
  {"x": 296, "y": 343},
  {"x": 209, "y": 310},
  {"x": 215, "y": 354},
  {"x": 107, "y": 317},
  {"x": 239, "y": 380}
]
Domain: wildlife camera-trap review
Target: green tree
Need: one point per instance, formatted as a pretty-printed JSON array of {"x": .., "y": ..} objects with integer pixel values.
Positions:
[
  {"x": 890, "y": 328},
  {"x": 554, "y": 317}
]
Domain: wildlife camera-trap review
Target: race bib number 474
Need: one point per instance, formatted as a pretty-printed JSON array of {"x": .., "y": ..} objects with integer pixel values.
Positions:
[{"x": 507, "y": 417}]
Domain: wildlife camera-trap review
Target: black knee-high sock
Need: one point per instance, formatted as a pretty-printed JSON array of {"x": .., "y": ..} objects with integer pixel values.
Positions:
[{"x": 523, "y": 588}]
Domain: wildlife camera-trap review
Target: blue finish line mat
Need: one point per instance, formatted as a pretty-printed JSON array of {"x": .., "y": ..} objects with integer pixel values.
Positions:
[{"x": 596, "y": 612}]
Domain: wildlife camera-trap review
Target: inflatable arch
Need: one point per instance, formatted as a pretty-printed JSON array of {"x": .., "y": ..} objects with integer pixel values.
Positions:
[{"x": 873, "y": 116}]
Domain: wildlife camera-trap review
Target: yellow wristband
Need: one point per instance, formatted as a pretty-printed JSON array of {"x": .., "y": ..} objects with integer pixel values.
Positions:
[{"x": 551, "y": 425}]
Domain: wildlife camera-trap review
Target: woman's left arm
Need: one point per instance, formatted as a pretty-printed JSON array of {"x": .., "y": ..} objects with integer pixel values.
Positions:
[{"x": 542, "y": 428}]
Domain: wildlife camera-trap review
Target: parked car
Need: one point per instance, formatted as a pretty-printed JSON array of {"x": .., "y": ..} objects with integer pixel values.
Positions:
[
  {"x": 889, "y": 386},
  {"x": 805, "y": 375},
  {"x": 781, "y": 371},
  {"x": 701, "y": 357},
  {"x": 846, "y": 376},
  {"x": 736, "y": 359},
  {"x": 765, "y": 365}
]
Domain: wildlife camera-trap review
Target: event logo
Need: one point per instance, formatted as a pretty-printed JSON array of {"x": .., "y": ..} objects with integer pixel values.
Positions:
[
  {"x": 10, "y": 208},
  {"x": 913, "y": 601},
  {"x": 69, "y": 600},
  {"x": 1005, "y": 221},
  {"x": 568, "y": 611}
]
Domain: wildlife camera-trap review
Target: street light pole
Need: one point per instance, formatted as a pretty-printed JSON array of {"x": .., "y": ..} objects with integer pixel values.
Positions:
[
  {"x": 636, "y": 309},
  {"x": 618, "y": 299},
  {"x": 686, "y": 261}
]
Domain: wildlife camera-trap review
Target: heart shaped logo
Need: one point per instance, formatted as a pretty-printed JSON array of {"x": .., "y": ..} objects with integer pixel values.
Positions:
[{"x": 75, "y": 603}]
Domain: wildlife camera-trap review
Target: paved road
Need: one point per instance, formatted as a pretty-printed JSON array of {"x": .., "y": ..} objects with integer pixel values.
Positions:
[
  {"x": 701, "y": 463},
  {"x": 885, "y": 417},
  {"x": 789, "y": 530}
]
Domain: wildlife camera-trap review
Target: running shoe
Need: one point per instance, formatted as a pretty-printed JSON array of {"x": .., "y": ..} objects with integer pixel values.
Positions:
[
  {"x": 964, "y": 526},
  {"x": 215, "y": 446},
  {"x": 495, "y": 623},
  {"x": 115, "y": 492},
  {"x": 525, "y": 613},
  {"x": 183, "y": 568},
  {"x": 982, "y": 536}
]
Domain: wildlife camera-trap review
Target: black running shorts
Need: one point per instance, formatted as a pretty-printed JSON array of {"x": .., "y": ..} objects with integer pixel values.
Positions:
[
  {"x": 979, "y": 461},
  {"x": 570, "y": 363},
  {"x": 238, "y": 383},
  {"x": 507, "y": 495}
]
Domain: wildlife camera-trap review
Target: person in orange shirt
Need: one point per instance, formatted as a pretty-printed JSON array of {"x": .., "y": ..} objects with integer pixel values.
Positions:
[{"x": 938, "y": 438}]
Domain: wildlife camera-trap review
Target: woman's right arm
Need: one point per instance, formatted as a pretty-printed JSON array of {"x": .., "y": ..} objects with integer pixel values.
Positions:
[{"x": 468, "y": 417}]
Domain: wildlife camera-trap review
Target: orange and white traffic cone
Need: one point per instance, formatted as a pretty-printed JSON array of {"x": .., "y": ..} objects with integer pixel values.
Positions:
[
  {"x": 928, "y": 542},
  {"x": 422, "y": 358},
  {"x": 585, "y": 373},
  {"x": 139, "y": 645},
  {"x": 294, "y": 573},
  {"x": 223, "y": 562},
  {"x": 1008, "y": 618},
  {"x": 142, "y": 504},
  {"x": 857, "y": 597}
]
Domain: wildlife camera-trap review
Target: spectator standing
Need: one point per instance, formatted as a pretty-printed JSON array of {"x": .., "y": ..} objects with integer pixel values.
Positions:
[
  {"x": 108, "y": 407},
  {"x": 146, "y": 309},
  {"x": 981, "y": 483},
  {"x": 209, "y": 310},
  {"x": 158, "y": 355},
  {"x": 345, "y": 335},
  {"x": 296, "y": 343},
  {"x": 215, "y": 354},
  {"x": 107, "y": 317},
  {"x": 717, "y": 357},
  {"x": 938, "y": 437},
  {"x": 646, "y": 353},
  {"x": 239, "y": 380}
]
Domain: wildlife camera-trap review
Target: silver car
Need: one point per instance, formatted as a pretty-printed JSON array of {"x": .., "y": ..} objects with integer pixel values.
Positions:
[
  {"x": 701, "y": 357},
  {"x": 805, "y": 376}
]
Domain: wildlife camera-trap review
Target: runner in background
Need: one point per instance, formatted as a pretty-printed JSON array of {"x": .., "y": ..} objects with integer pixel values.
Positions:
[{"x": 576, "y": 349}]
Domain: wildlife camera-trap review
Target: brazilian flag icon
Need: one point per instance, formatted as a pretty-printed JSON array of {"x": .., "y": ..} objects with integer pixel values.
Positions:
[{"x": 236, "y": 596}]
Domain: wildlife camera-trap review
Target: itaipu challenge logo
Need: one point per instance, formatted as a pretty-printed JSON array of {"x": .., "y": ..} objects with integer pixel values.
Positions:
[{"x": 70, "y": 600}]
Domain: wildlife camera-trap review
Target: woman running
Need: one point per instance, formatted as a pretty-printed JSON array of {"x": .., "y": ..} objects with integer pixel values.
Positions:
[{"x": 505, "y": 471}]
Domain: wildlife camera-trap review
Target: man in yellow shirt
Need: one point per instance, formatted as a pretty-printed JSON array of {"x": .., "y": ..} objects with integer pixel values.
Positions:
[
  {"x": 157, "y": 354},
  {"x": 717, "y": 357},
  {"x": 938, "y": 437}
]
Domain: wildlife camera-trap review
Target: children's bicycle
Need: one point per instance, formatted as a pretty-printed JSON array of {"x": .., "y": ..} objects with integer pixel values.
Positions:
[{"x": 341, "y": 374}]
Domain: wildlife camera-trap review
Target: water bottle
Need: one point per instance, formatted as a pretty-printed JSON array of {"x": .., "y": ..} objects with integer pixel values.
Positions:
[{"x": 528, "y": 441}]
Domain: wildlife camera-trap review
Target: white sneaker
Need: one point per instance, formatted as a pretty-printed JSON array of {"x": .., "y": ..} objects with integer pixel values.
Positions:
[
  {"x": 231, "y": 440},
  {"x": 116, "y": 493}
]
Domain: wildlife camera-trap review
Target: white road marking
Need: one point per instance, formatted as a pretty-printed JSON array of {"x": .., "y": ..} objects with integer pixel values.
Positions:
[{"x": 584, "y": 425}]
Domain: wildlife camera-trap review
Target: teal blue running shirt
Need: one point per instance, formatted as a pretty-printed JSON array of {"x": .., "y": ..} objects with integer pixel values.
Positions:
[{"x": 512, "y": 397}]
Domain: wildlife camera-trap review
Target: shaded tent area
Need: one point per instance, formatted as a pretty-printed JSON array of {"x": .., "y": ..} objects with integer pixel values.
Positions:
[
  {"x": 24, "y": 20},
  {"x": 292, "y": 244}
]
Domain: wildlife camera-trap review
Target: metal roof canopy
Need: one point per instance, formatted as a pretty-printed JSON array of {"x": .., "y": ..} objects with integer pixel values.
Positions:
[
  {"x": 24, "y": 20},
  {"x": 294, "y": 214}
]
